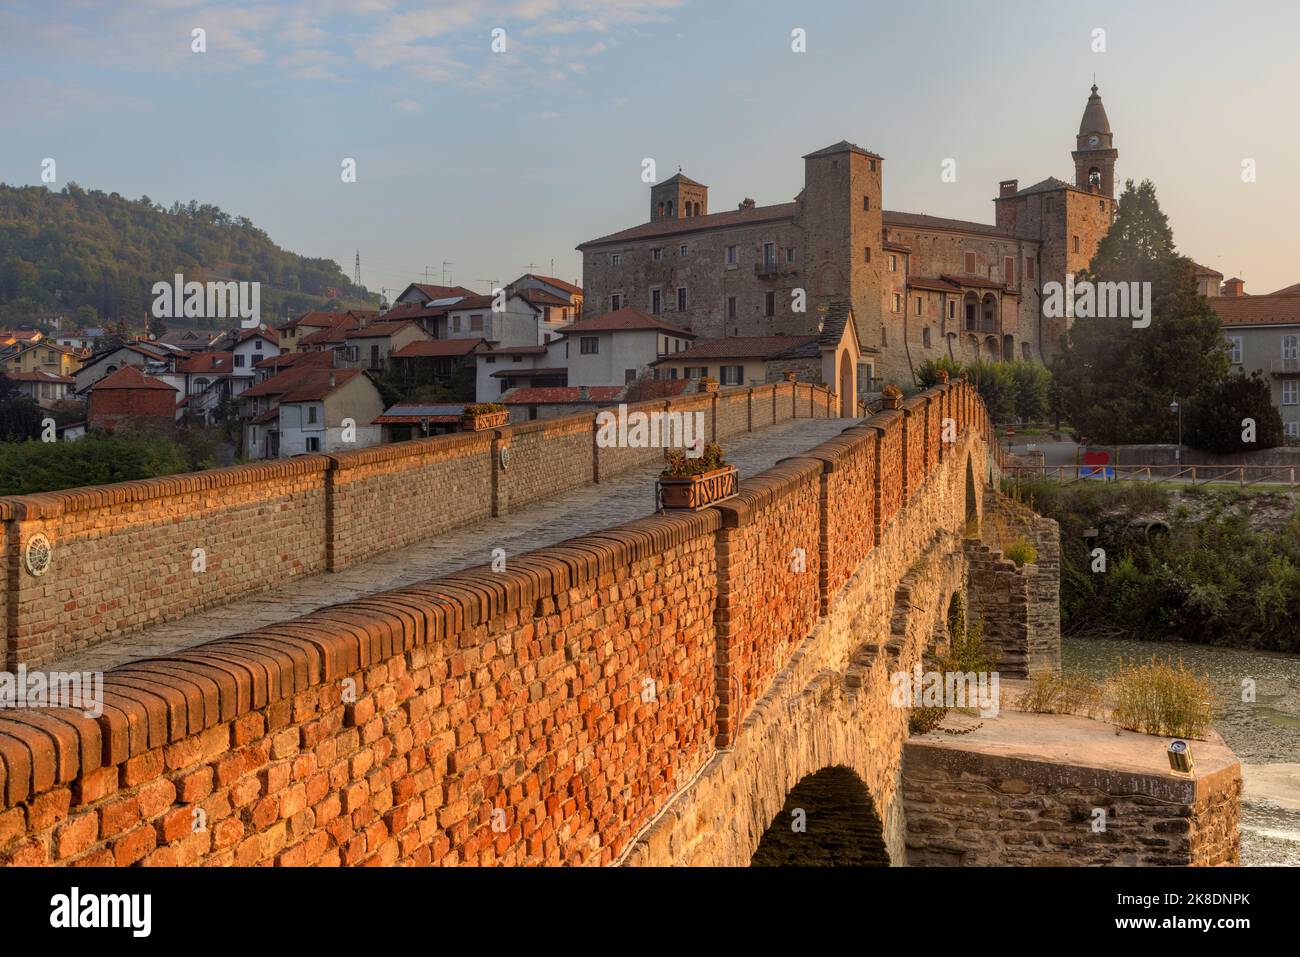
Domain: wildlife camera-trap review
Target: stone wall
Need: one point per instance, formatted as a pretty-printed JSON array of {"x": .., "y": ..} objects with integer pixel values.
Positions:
[
  {"x": 1010, "y": 801},
  {"x": 549, "y": 714},
  {"x": 124, "y": 555},
  {"x": 1007, "y": 520}
]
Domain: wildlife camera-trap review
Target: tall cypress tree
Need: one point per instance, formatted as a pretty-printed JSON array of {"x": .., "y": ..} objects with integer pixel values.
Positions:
[{"x": 1116, "y": 382}]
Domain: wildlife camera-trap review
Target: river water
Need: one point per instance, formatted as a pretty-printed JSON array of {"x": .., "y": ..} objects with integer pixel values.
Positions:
[{"x": 1264, "y": 733}]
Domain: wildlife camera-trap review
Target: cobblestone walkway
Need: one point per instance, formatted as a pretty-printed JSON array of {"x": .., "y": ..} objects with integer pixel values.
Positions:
[{"x": 575, "y": 512}]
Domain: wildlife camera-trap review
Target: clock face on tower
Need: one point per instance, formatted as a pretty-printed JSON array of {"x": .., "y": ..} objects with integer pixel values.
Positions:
[{"x": 1094, "y": 140}]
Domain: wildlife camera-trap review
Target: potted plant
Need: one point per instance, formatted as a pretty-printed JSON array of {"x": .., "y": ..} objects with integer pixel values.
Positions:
[
  {"x": 789, "y": 377},
  {"x": 891, "y": 396},
  {"x": 694, "y": 483},
  {"x": 941, "y": 377},
  {"x": 483, "y": 415},
  {"x": 708, "y": 384}
]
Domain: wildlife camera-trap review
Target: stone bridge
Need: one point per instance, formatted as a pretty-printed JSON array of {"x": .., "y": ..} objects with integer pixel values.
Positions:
[{"x": 669, "y": 690}]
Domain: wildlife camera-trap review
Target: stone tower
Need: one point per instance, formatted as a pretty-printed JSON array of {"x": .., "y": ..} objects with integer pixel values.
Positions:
[
  {"x": 1094, "y": 158},
  {"x": 842, "y": 225},
  {"x": 678, "y": 197}
]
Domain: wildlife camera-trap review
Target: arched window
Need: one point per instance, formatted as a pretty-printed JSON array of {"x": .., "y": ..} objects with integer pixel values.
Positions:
[
  {"x": 697, "y": 209},
  {"x": 1094, "y": 177},
  {"x": 670, "y": 209},
  {"x": 661, "y": 210}
]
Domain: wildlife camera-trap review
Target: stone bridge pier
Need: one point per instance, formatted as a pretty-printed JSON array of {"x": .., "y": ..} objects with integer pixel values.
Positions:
[{"x": 814, "y": 774}]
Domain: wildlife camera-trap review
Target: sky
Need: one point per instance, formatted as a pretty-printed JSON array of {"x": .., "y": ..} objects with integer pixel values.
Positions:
[{"x": 477, "y": 165}]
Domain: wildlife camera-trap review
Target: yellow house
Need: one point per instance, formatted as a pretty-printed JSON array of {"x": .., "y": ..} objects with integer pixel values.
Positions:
[{"x": 45, "y": 356}]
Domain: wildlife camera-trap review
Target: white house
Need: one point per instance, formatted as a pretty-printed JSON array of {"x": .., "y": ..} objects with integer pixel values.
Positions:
[
  {"x": 509, "y": 367},
  {"x": 330, "y": 410},
  {"x": 618, "y": 347}
]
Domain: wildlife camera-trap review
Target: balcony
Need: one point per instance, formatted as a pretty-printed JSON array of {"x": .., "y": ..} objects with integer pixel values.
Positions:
[
  {"x": 982, "y": 325},
  {"x": 1284, "y": 367},
  {"x": 767, "y": 269}
]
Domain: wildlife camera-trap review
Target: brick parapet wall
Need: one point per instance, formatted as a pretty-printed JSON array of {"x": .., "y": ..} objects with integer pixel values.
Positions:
[
  {"x": 123, "y": 554},
  {"x": 539, "y": 715}
]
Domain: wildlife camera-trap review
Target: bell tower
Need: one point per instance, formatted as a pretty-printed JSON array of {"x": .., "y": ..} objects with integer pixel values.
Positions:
[{"x": 1095, "y": 155}]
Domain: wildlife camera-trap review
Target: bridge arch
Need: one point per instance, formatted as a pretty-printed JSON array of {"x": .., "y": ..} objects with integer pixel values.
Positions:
[{"x": 829, "y": 820}]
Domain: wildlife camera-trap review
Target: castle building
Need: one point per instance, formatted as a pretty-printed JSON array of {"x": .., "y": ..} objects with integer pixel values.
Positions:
[{"x": 918, "y": 286}]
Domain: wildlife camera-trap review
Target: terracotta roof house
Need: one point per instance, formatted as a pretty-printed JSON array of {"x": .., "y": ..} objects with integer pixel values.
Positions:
[
  {"x": 1263, "y": 334},
  {"x": 46, "y": 388},
  {"x": 128, "y": 397},
  {"x": 618, "y": 347},
  {"x": 317, "y": 410},
  {"x": 371, "y": 345},
  {"x": 438, "y": 361}
]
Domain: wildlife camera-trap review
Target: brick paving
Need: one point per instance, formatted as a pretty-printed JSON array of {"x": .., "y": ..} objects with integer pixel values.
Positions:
[{"x": 575, "y": 512}]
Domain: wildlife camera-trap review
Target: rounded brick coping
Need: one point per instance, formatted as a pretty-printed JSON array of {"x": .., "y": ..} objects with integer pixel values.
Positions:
[
  {"x": 154, "y": 702},
  {"x": 560, "y": 425},
  {"x": 412, "y": 448},
  {"x": 766, "y": 489},
  {"x": 54, "y": 504},
  {"x": 855, "y": 438}
]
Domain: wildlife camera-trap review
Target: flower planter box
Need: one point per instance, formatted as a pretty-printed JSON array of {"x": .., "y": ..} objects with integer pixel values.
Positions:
[
  {"x": 891, "y": 401},
  {"x": 488, "y": 420},
  {"x": 708, "y": 387},
  {"x": 697, "y": 491}
]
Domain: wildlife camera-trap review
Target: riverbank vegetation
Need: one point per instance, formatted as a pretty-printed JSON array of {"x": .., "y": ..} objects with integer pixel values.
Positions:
[{"x": 1192, "y": 564}]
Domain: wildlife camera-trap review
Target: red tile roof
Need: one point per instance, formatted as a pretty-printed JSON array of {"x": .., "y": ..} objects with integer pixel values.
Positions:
[
  {"x": 737, "y": 347},
  {"x": 558, "y": 283},
  {"x": 437, "y": 347},
  {"x": 673, "y": 227},
  {"x": 560, "y": 395},
  {"x": 38, "y": 377},
  {"x": 208, "y": 362},
  {"x": 442, "y": 292},
  {"x": 315, "y": 384},
  {"x": 540, "y": 297},
  {"x": 268, "y": 334},
  {"x": 518, "y": 351},
  {"x": 622, "y": 320},
  {"x": 288, "y": 359},
  {"x": 472, "y": 301},
  {"x": 1288, "y": 291},
  {"x": 379, "y": 330},
  {"x": 129, "y": 377},
  {"x": 1257, "y": 310},
  {"x": 318, "y": 319}
]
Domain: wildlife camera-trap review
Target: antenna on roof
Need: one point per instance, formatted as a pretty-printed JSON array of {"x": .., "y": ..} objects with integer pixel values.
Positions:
[
  {"x": 356, "y": 272},
  {"x": 445, "y": 264}
]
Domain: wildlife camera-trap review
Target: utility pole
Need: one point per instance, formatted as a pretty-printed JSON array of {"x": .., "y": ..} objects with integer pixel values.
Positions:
[{"x": 356, "y": 272}]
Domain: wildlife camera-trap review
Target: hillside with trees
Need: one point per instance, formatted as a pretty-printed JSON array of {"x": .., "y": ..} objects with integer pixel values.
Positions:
[{"x": 93, "y": 257}]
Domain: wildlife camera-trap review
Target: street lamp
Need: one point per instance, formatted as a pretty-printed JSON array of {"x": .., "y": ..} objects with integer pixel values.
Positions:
[{"x": 1176, "y": 409}]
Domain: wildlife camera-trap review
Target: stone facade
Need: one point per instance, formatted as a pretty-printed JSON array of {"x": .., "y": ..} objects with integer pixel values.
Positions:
[{"x": 920, "y": 286}]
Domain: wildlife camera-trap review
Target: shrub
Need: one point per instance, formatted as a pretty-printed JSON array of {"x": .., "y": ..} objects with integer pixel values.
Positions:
[
  {"x": 1032, "y": 383},
  {"x": 1159, "y": 698},
  {"x": 94, "y": 459},
  {"x": 680, "y": 465},
  {"x": 891, "y": 390},
  {"x": 927, "y": 373},
  {"x": 1022, "y": 552},
  {"x": 483, "y": 408},
  {"x": 996, "y": 385}
]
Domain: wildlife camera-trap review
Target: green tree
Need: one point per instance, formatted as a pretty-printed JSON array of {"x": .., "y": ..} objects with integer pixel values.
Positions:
[
  {"x": 1033, "y": 384},
  {"x": 1116, "y": 381},
  {"x": 1213, "y": 419}
]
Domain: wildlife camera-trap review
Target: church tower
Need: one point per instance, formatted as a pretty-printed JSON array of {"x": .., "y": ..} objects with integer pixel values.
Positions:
[{"x": 1094, "y": 159}]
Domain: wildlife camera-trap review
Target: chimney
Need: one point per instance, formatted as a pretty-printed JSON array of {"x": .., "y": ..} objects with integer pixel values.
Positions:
[
  {"x": 746, "y": 203},
  {"x": 1234, "y": 288},
  {"x": 1008, "y": 187}
]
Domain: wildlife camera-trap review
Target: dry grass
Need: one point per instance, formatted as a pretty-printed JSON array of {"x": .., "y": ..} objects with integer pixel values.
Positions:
[
  {"x": 1160, "y": 698},
  {"x": 1052, "y": 692}
]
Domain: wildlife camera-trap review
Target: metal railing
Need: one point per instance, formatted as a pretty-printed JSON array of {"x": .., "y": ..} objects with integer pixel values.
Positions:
[
  {"x": 1243, "y": 475},
  {"x": 768, "y": 267}
]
